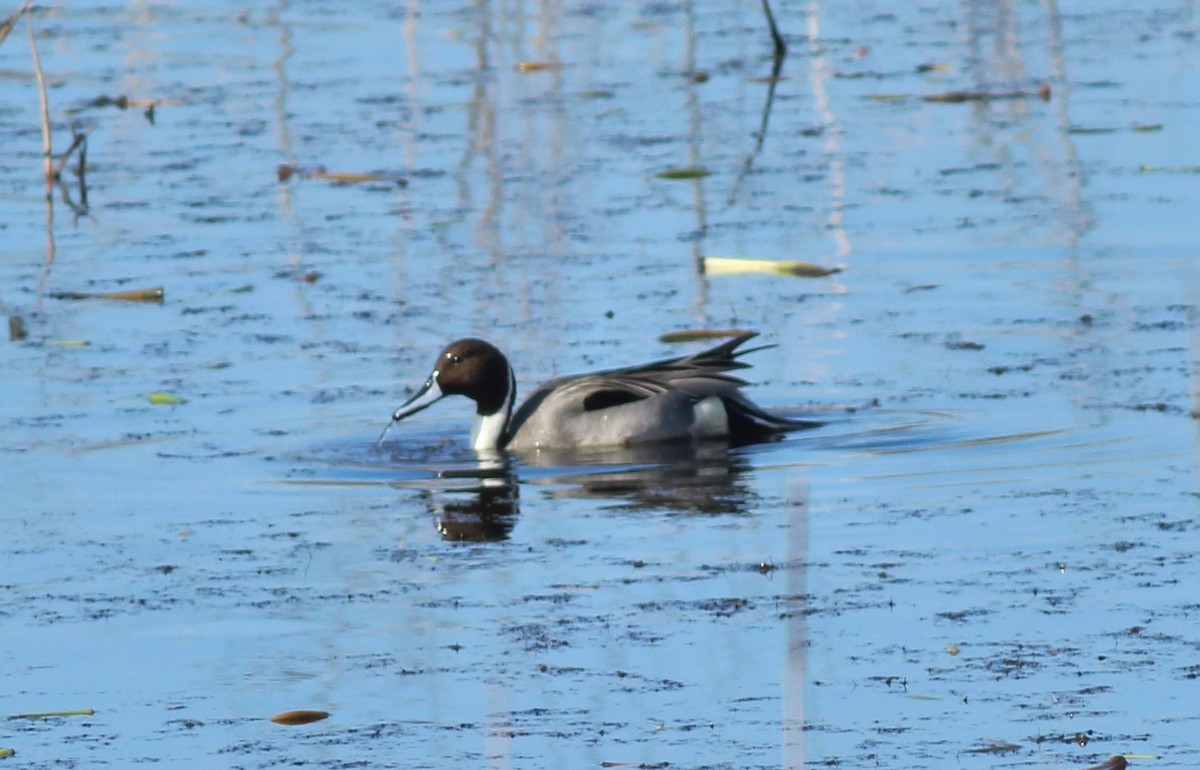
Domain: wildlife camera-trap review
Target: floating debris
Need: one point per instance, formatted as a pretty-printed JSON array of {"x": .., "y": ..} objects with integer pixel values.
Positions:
[
  {"x": 151, "y": 294},
  {"x": 161, "y": 398},
  {"x": 736, "y": 265},
  {"x": 1117, "y": 762},
  {"x": 688, "y": 172},
  {"x": 16, "y": 328},
  {"x": 285, "y": 171},
  {"x": 995, "y": 747},
  {"x": 125, "y": 102},
  {"x": 299, "y": 717},
  {"x": 53, "y": 714},
  {"x": 1169, "y": 169},
  {"x": 933, "y": 66},
  {"x": 347, "y": 177},
  {"x": 691, "y": 335},
  {"x": 537, "y": 66},
  {"x": 955, "y": 97}
]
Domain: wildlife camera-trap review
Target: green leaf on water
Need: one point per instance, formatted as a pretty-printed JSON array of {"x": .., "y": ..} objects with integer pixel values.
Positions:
[
  {"x": 50, "y": 714},
  {"x": 1169, "y": 169},
  {"x": 160, "y": 398},
  {"x": 689, "y": 172}
]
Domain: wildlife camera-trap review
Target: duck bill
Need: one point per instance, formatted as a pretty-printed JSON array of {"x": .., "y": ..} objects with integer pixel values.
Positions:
[{"x": 429, "y": 393}]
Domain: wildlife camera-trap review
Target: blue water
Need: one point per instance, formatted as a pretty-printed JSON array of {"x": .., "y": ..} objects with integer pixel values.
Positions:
[{"x": 989, "y": 541}]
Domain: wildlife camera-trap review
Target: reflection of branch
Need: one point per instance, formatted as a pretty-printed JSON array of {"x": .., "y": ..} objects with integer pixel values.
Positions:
[
  {"x": 780, "y": 46},
  {"x": 777, "y": 57}
]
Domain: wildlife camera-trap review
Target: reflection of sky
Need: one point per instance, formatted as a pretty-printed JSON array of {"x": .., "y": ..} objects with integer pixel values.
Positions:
[{"x": 156, "y": 571}]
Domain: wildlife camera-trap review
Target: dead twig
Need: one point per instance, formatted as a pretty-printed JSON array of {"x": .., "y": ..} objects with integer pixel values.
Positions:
[
  {"x": 7, "y": 25},
  {"x": 47, "y": 157}
]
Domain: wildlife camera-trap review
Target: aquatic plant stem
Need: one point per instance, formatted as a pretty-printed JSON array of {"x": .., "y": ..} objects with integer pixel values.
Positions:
[{"x": 47, "y": 157}]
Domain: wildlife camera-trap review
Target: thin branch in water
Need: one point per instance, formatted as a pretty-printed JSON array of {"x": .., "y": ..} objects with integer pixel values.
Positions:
[
  {"x": 79, "y": 139},
  {"x": 777, "y": 57},
  {"x": 7, "y": 25},
  {"x": 47, "y": 158}
]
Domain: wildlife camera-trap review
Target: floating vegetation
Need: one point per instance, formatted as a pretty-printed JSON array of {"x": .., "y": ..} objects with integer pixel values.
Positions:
[
  {"x": 16, "y": 328},
  {"x": 691, "y": 335},
  {"x": 537, "y": 66},
  {"x": 995, "y": 747},
  {"x": 736, "y": 265},
  {"x": 954, "y": 97},
  {"x": 299, "y": 717},
  {"x": 687, "y": 172},
  {"x": 162, "y": 398},
  {"x": 53, "y": 714},
  {"x": 957, "y": 97},
  {"x": 1169, "y": 169},
  {"x": 285, "y": 171},
  {"x": 151, "y": 294}
]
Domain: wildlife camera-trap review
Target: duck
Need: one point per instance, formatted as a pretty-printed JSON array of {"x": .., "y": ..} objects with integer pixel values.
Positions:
[{"x": 687, "y": 398}]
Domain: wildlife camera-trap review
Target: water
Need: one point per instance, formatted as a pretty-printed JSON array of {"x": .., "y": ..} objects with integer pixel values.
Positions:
[{"x": 983, "y": 557}]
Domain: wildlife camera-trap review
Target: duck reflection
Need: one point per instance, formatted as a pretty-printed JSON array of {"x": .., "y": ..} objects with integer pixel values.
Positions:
[
  {"x": 688, "y": 478},
  {"x": 680, "y": 478},
  {"x": 486, "y": 516}
]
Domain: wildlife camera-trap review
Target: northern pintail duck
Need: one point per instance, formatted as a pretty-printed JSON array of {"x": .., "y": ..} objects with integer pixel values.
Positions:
[{"x": 684, "y": 398}]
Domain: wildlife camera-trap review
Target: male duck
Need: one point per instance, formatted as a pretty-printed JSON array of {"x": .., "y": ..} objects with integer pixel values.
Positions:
[{"x": 684, "y": 398}]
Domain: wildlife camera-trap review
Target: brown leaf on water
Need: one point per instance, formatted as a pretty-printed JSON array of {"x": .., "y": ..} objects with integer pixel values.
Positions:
[
  {"x": 299, "y": 717},
  {"x": 150, "y": 294},
  {"x": 16, "y": 328},
  {"x": 956, "y": 97},
  {"x": 691, "y": 335},
  {"x": 285, "y": 171},
  {"x": 347, "y": 177},
  {"x": 1117, "y": 762}
]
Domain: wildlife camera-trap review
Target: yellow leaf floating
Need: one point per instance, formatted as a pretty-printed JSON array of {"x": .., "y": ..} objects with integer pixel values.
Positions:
[
  {"x": 299, "y": 717},
  {"x": 733, "y": 266},
  {"x": 537, "y": 66},
  {"x": 159, "y": 398},
  {"x": 690, "y": 172},
  {"x": 6, "y": 753}
]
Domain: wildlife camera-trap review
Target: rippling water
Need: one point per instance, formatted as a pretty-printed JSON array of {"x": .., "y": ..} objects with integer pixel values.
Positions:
[{"x": 983, "y": 556}]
